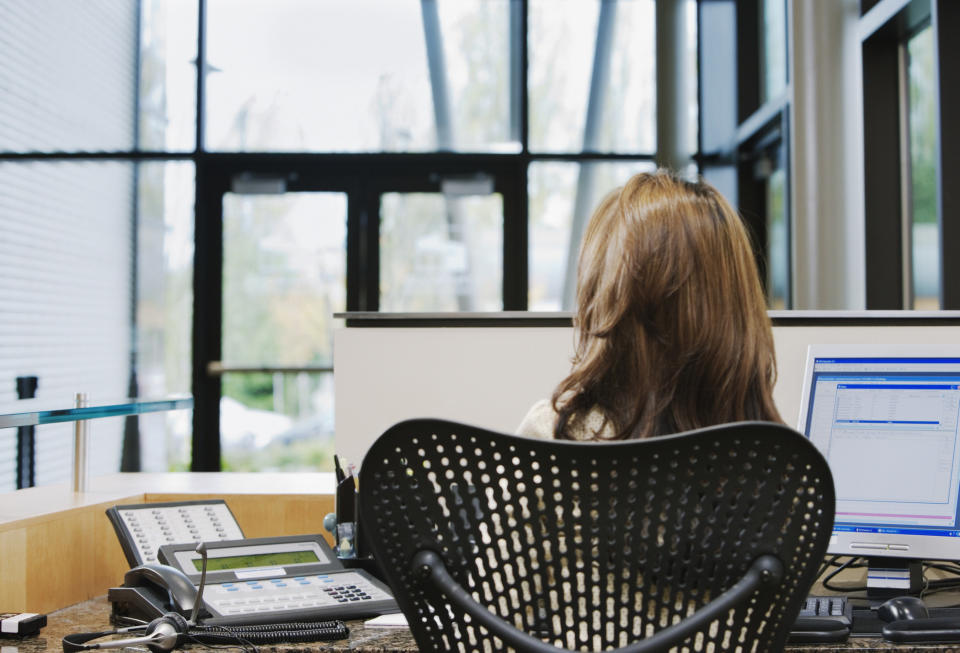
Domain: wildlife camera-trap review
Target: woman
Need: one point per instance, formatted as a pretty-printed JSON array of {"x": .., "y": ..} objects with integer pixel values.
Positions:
[{"x": 671, "y": 323}]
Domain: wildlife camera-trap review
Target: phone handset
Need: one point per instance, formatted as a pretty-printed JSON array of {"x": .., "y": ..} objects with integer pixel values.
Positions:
[
  {"x": 169, "y": 631},
  {"x": 181, "y": 592}
]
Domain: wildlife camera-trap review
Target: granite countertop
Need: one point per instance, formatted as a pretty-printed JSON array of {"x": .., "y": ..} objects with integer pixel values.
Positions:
[{"x": 94, "y": 615}]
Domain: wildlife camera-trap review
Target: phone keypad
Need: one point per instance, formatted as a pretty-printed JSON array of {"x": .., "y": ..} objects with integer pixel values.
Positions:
[{"x": 293, "y": 593}]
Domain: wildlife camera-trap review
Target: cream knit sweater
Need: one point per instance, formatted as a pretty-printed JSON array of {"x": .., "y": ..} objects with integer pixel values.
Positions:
[{"x": 541, "y": 420}]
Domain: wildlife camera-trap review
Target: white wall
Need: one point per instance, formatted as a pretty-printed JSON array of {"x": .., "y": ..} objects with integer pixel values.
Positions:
[{"x": 491, "y": 376}]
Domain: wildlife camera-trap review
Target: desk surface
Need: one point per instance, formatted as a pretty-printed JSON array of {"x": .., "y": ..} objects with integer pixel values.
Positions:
[{"x": 93, "y": 615}]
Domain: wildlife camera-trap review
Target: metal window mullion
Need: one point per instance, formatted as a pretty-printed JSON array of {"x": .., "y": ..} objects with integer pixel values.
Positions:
[
  {"x": 945, "y": 19},
  {"x": 671, "y": 83},
  {"x": 130, "y": 447},
  {"x": 438, "y": 73},
  {"x": 212, "y": 183},
  {"x": 882, "y": 174},
  {"x": 599, "y": 81},
  {"x": 201, "y": 74},
  {"x": 906, "y": 176}
]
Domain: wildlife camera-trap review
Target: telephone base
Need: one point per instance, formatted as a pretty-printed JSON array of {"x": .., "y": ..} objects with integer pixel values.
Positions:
[{"x": 139, "y": 604}]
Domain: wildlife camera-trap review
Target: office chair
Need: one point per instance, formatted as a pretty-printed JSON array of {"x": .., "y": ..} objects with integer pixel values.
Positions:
[{"x": 705, "y": 541}]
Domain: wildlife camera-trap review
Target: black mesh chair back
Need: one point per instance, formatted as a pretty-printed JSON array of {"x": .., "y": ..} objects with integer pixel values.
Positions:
[{"x": 703, "y": 541}]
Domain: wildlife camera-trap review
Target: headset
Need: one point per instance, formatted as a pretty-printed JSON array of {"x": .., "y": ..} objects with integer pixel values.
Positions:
[{"x": 172, "y": 630}]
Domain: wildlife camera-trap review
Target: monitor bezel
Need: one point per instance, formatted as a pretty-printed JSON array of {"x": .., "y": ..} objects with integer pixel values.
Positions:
[{"x": 917, "y": 547}]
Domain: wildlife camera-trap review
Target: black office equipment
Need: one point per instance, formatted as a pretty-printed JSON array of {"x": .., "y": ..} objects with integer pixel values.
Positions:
[
  {"x": 908, "y": 619},
  {"x": 285, "y": 579},
  {"x": 346, "y": 521},
  {"x": 903, "y": 607},
  {"x": 838, "y": 608},
  {"x": 816, "y": 630},
  {"x": 930, "y": 630},
  {"x": 696, "y": 539},
  {"x": 171, "y": 590},
  {"x": 822, "y": 619},
  {"x": 21, "y": 623}
]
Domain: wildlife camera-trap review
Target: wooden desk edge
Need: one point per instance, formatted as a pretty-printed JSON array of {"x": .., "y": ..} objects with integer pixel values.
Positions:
[{"x": 57, "y": 548}]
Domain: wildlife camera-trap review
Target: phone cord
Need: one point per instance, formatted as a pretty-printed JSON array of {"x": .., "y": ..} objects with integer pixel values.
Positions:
[{"x": 310, "y": 631}]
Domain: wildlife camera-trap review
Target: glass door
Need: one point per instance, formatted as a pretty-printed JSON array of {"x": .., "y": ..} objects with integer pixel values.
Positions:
[
  {"x": 287, "y": 243},
  {"x": 284, "y": 276}
]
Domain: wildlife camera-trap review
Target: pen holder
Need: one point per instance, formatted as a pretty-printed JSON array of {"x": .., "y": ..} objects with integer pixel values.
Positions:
[{"x": 345, "y": 532}]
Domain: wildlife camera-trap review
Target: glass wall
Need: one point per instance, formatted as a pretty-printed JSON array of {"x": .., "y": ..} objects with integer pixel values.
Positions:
[
  {"x": 360, "y": 117},
  {"x": 96, "y": 242},
  {"x": 164, "y": 307},
  {"x": 441, "y": 253},
  {"x": 284, "y": 276},
  {"x": 562, "y": 197},
  {"x": 65, "y": 288},
  {"x": 921, "y": 124}
]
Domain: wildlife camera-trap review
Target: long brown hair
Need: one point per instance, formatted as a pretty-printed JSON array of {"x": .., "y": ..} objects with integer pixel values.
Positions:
[{"x": 671, "y": 323}]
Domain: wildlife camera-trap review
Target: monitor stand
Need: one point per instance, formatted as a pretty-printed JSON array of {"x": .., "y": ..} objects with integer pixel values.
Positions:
[{"x": 887, "y": 577}]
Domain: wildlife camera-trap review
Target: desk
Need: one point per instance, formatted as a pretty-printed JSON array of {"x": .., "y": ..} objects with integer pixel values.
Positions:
[
  {"x": 57, "y": 547},
  {"x": 93, "y": 615}
]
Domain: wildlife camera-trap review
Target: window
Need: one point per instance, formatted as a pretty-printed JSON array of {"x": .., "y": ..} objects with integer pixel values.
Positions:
[
  {"x": 922, "y": 140},
  {"x": 745, "y": 134},
  {"x": 402, "y": 155},
  {"x": 910, "y": 156},
  {"x": 97, "y": 239},
  {"x": 441, "y": 253}
]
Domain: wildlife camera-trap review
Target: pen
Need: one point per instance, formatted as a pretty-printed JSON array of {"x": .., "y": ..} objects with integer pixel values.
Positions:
[{"x": 338, "y": 469}]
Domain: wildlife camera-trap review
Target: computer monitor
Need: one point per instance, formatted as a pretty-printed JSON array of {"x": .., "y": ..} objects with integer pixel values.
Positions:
[{"x": 886, "y": 419}]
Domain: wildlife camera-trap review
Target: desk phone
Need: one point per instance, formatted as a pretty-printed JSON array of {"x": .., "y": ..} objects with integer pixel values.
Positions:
[
  {"x": 144, "y": 527},
  {"x": 291, "y": 578},
  {"x": 249, "y": 581}
]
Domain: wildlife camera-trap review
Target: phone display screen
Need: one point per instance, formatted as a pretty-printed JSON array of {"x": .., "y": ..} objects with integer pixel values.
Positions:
[{"x": 250, "y": 560}]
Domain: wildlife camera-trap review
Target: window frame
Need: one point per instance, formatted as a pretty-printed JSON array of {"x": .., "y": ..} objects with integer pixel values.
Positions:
[
  {"x": 885, "y": 27},
  {"x": 362, "y": 176}
]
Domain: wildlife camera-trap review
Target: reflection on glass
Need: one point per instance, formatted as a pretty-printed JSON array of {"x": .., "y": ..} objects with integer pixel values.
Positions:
[
  {"x": 284, "y": 275},
  {"x": 778, "y": 253},
  {"x": 561, "y": 42},
  {"x": 65, "y": 293},
  {"x": 277, "y": 422},
  {"x": 441, "y": 253},
  {"x": 476, "y": 51},
  {"x": 773, "y": 40},
  {"x": 554, "y": 242},
  {"x": 164, "y": 310},
  {"x": 303, "y": 75},
  {"x": 168, "y": 75},
  {"x": 67, "y": 78},
  {"x": 925, "y": 233}
]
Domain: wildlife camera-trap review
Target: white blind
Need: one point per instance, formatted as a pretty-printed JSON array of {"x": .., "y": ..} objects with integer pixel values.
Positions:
[
  {"x": 65, "y": 261},
  {"x": 67, "y": 75},
  {"x": 67, "y": 83}
]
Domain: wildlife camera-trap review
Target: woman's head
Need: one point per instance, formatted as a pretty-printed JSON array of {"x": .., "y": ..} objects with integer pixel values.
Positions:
[{"x": 671, "y": 318}]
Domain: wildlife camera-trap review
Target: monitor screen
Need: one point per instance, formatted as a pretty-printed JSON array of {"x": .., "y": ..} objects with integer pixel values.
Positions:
[{"x": 886, "y": 419}]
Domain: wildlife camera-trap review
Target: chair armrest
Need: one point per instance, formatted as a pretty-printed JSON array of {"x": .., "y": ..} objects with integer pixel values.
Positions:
[{"x": 765, "y": 570}]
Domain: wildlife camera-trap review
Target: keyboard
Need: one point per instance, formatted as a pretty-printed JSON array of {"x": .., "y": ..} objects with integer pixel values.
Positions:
[
  {"x": 822, "y": 619},
  {"x": 828, "y": 607}
]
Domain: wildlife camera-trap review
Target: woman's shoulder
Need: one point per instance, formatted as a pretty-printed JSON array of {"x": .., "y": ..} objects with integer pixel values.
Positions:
[{"x": 541, "y": 422}]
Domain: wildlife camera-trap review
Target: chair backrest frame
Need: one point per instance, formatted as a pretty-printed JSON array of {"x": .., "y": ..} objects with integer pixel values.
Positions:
[{"x": 596, "y": 545}]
